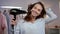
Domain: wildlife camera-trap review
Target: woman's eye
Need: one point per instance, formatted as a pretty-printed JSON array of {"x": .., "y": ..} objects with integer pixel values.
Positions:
[{"x": 34, "y": 7}]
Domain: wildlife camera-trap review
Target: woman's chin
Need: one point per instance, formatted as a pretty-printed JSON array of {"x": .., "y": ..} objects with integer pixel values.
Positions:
[{"x": 34, "y": 15}]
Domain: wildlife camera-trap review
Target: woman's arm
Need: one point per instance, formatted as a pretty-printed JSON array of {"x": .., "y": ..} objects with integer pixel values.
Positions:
[
  {"x": 51, "y": 15},
  {"x": 17, "y": 29}
]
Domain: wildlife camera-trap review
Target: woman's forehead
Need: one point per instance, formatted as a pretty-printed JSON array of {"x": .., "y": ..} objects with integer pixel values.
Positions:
[{"x": 38, "y": 6}]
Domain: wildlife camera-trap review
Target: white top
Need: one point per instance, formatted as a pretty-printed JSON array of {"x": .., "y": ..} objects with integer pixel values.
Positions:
[{"x": 38, "y": 27}]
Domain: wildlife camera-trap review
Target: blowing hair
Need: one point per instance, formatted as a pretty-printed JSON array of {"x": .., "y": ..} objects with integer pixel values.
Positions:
[{"x": 28, "y": 16}]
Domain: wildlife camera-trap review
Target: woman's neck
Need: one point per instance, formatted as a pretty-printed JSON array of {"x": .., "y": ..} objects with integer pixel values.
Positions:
[{"x": 32, "y": 19}]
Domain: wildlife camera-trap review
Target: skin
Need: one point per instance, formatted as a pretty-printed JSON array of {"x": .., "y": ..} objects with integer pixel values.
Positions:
[
  {"x": 35, "y": 11},
  {"x": 13, "y": 22}
]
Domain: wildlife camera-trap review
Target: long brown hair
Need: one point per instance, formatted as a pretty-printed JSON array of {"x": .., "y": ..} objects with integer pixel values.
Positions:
[{"x": 43, "y": 12}]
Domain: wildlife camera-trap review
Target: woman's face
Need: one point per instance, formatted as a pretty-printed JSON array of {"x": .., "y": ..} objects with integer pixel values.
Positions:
[{"x": 36, "y": 10}]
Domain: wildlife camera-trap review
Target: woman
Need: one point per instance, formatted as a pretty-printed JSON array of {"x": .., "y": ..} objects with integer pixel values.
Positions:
[{"x": 34, "y": 22}]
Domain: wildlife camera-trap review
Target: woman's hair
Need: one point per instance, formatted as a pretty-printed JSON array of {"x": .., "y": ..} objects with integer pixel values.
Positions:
[{"x": 28, "y": 16}]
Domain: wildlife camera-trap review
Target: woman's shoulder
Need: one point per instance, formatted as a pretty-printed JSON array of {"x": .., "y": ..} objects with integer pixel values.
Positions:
[
  {"x": 20, "y": 21},
  {"x": 40, "y": 19}
]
